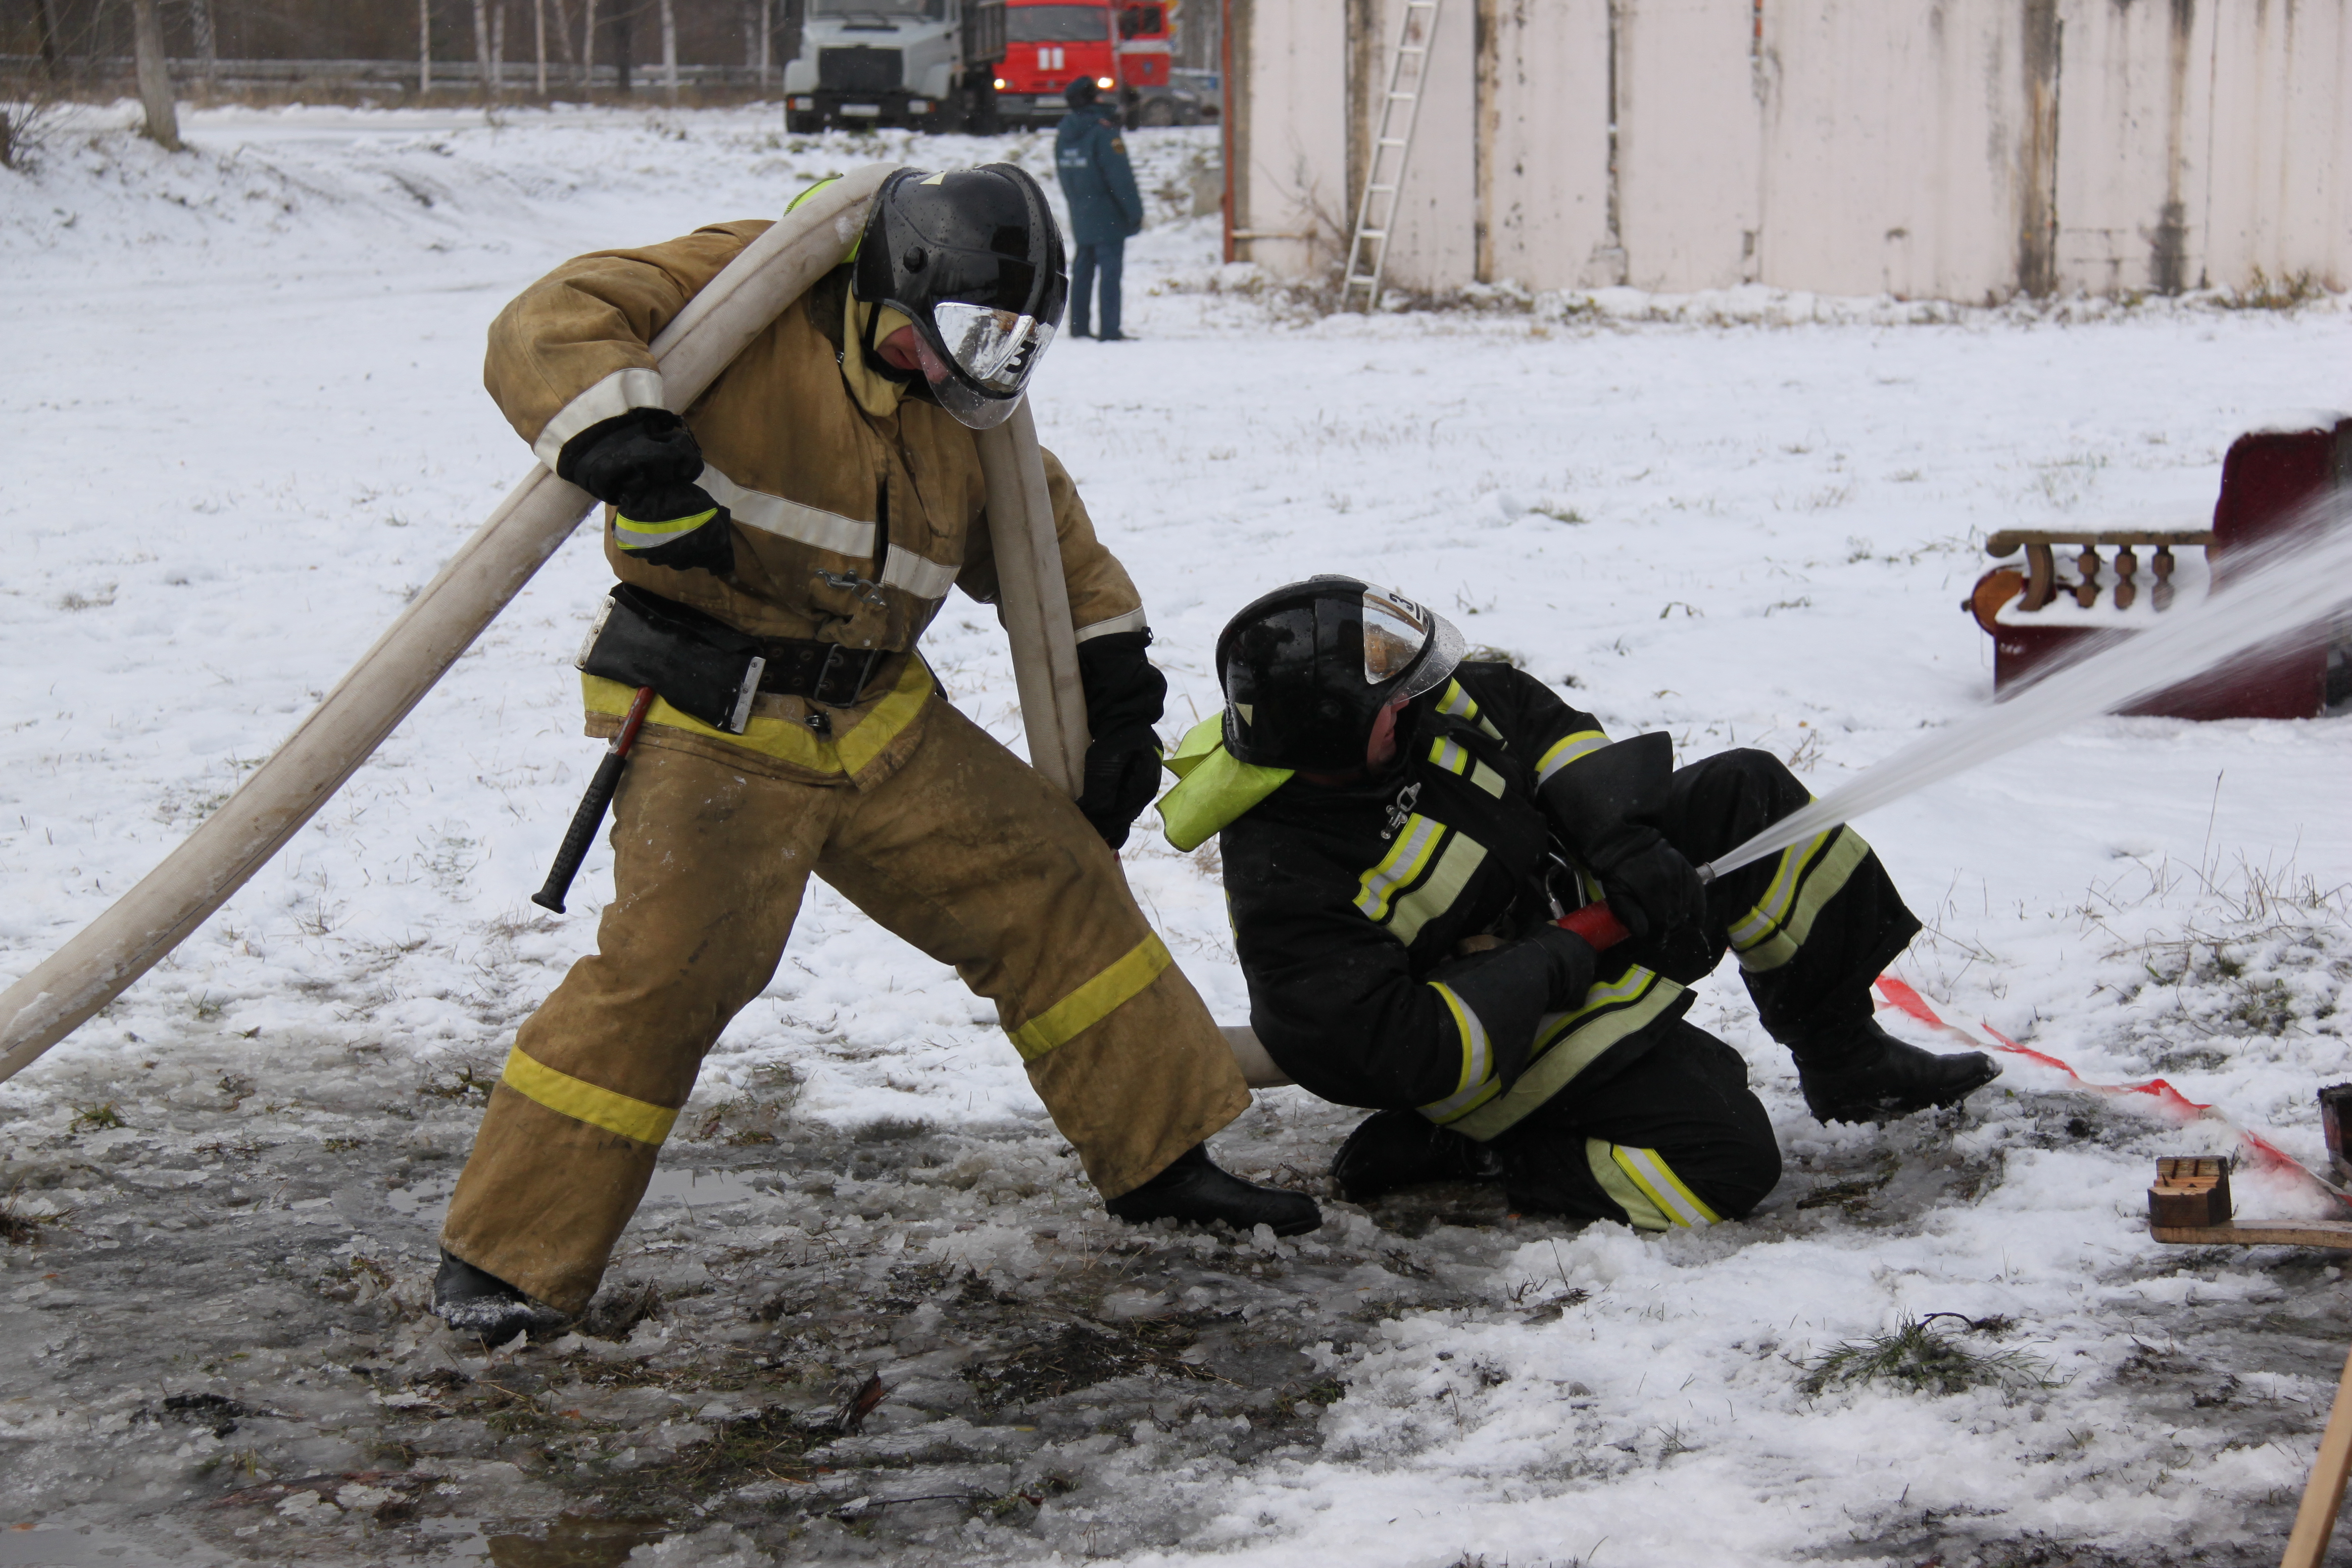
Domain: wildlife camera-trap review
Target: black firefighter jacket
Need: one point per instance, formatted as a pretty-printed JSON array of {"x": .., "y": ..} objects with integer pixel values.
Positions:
[{"x": 1373, "y": 921}]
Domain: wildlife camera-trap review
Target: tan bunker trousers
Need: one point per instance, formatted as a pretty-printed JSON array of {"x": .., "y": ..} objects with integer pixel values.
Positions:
[{"x": 964, "y": 851}]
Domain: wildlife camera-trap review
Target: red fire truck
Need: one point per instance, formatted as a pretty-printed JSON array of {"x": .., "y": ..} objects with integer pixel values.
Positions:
[{"x": 1124, "y": 44}]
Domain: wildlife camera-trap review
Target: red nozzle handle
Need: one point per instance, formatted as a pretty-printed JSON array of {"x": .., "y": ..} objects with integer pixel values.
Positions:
[{"x": 1597, "y": 923}]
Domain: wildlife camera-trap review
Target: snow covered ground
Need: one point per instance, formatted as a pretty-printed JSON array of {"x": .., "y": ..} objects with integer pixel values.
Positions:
[{"x": 243, "y": 423}]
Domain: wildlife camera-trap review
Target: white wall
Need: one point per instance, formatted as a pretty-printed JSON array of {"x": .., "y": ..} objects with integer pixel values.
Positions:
[{"x": 1952, "y": 149}]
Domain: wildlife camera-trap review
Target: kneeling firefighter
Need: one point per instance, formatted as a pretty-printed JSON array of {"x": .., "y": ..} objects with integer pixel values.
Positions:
[
  {"x": 1400, "y": 832},
  {"x": 779, "y": 550}
]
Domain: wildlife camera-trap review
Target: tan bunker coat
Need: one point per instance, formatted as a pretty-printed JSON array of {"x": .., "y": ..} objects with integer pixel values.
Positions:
[{"x": 850, "y": 525}]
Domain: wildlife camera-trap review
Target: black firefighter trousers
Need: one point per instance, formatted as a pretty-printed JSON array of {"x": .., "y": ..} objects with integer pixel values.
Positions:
[{"x": 1674, "y": 1136}]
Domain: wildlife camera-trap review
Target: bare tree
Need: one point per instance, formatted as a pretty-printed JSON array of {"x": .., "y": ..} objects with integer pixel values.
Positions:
[
  {"x": 669, "y": 49},
  {"x": 424, "y": 47},
  {"x": 155, "y": 76},
  {"x": 539, "y": 32},
  {"x": 482, "y": 52},
  {"x": 200, "y": 18},
  {"x": 588, "y": 48}
]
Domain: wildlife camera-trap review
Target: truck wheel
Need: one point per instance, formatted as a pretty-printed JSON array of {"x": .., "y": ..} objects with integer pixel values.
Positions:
[
  {"x": 803, "y": 124},
  {"x": 1158, "y": 112},
  {"x": 981, "y": 117}
]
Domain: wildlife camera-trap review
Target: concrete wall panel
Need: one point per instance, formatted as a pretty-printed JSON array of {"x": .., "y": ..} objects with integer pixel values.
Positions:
[
  {"x": 1543, "y": 185},
  {"x": 1687, "y": 143},
  {"x": 1898, "y": 157},
  {"x": 1290, "y": 175}
]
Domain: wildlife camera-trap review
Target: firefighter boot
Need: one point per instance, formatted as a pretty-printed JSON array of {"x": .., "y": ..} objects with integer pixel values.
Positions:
[
  {"x": 484, "y": 1306},
  {"x": 1394, "y": 1149},
  {"x": 1193, "y": 1190},
  {"x": 1859, "y": 1072}
]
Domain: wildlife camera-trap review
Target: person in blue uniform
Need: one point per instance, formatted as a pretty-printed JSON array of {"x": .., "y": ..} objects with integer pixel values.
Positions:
[{"x": 1105, "y": 206}]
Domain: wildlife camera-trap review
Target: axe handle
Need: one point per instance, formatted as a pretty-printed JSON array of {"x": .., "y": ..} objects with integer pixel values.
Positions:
[{"x": 592, "y": 806}]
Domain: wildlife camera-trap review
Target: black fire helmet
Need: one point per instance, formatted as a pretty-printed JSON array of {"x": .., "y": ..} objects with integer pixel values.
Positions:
[
  {"x": 973, "y": 257},
  {"x": 1306, "y": 670}
]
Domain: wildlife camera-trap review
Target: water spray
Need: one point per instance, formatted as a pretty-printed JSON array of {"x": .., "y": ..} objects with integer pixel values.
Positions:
[{"x": 2277, "y": 594}]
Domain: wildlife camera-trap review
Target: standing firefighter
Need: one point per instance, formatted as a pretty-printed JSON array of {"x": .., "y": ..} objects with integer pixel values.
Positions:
[
  {"x": 1400, "y": 832},
  {"x": 1099, "y": 183},
  {"x": 810, "y": 514}
]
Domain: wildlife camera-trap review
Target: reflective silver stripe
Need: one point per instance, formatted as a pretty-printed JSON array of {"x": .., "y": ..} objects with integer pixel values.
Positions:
[
  {"x": 1451, "y": 756},
  {"x": 1583, "y": 743},
  {"x": 1133, "y": 621},
  {"x": 608, "y": 399},
  {"x": 1487, "y": 779},
  {"x": 790, "y": 519},
  {"x": 924, "y": 578},
  {"x": 1463, "y": 857},
  {"x": 1665, "y": 1189},
  {"x": 1589, "y": 1036},
  {"x": 1399, "y": 866},
  {"x": 1458, "y": 704},
  {"x": 1773, "y": 907},
  {"x": 1477, "y": 1083}
]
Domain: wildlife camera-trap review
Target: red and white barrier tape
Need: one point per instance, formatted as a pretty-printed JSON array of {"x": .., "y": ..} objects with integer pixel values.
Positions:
[{"x": 2155, "y": 1097}]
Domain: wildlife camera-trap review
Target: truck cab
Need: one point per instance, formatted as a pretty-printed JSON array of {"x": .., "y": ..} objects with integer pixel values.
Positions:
[
  {"x": 1123, "y": 45},
  {"x": 928, "y": 64}
]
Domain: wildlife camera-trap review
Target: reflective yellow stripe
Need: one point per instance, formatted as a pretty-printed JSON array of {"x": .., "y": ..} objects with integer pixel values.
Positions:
[
  {"x": 1477, "y": 1084},
  {"x": 1457, "y": 703},
  {"x": 813, "y": 190},
  {"x": 1464, "y": 855},
  {"x": 1561, "y": 752},
  {"x": 625, "y": 530},
  {"x": 1400, "y": 866},
  {"x": 1609, "y": 1013},
  {"x": 1642, "y": 1211},
  {"x": 847, "y": 751},
  {"x": 1805, "y": 880},
  {"x": 584, "y": 1102},
  {"x": 1455, "y": 758},
  {"x": 1667, "y": 1191},
  {"x": 1093, "y": 1002}
]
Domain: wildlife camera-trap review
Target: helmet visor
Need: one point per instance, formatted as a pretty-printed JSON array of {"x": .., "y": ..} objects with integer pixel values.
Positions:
[
  {"x": 1401, "y": 639},
  {"x": 996, "y": 348}
]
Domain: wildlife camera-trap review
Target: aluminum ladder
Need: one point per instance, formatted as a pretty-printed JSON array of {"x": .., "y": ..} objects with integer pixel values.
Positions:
[{"x": 1367, "y": 252}]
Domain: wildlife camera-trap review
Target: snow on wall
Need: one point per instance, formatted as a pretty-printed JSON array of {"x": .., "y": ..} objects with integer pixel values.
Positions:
[{"x": 1963, "y": 149}]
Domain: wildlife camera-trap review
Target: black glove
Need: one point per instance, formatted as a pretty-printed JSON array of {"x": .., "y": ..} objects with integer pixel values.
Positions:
[
  {"x": 1571, "y": 961},
  {"x": 1125, "y": 696},
  {"x": 644, "y": 464},
  {"x": 1122, "y": 775},
  {"x": 1649, "y": 884}
]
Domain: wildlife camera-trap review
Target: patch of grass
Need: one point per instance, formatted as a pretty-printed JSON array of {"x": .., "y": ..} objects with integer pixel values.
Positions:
[
  {"x": 95, "y": 1117},
  {"x": 1082, "y": 1355},
  {"x": 19, "y": 1228},
  {"x": 1920, "y": 1359}
]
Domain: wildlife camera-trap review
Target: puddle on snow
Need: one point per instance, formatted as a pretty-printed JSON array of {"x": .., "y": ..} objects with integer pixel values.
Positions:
[{"x": 88, "y": 1547}]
